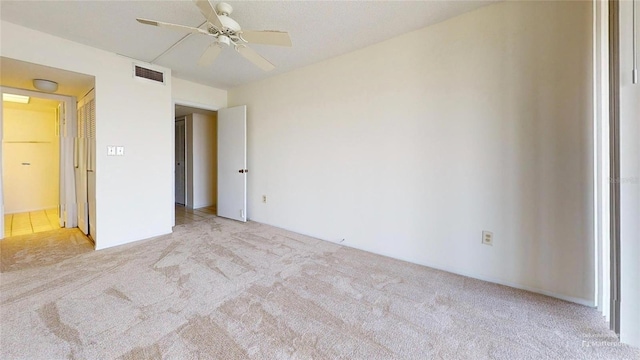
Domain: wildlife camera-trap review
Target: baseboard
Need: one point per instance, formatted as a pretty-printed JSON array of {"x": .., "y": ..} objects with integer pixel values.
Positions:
[
  {"x": 580, "y": 301},
  {"x": 30, "y": 210},
  {"x": 100, "y": 245},
  {"x": 576, "y": 300}
]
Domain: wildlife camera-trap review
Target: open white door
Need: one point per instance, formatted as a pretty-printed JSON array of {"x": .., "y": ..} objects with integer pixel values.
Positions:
[
  {"x": 91, "y": 162},
  {"x": 85, "y": 165},
  {"x": 62, "y": 192},
  {"x": 232, "y": 163},
  {"x": 80, "y": 164}
]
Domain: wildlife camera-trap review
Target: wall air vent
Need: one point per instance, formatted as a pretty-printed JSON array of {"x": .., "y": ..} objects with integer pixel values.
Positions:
[{"x": 149, "y": 74}]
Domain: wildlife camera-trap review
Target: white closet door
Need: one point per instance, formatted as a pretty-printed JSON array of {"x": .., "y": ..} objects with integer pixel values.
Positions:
[
  {"x": 91, "y": 165},
  {"x": 80, "y": 162}
]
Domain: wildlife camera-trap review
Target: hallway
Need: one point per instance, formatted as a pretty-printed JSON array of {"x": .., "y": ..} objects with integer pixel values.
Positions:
[
  {"x": 30, "y": 222},
  {"x": 186, "y": 216}
]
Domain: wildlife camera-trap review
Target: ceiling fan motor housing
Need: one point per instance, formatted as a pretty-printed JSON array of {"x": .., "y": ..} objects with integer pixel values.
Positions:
[
  {"x": 223, "y": 8},
  {"x": 229, "y": 24}
]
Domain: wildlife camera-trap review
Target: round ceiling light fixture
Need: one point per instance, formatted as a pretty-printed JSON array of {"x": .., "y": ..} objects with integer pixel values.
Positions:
[{"x": 45, "y": 85}]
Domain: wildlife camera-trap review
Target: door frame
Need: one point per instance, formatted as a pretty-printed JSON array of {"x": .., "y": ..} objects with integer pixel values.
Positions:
[
  {"x": 66, "y": 154},
  {"x": 175, "y": 102},
  {"x": 614, "y": 162},
  {"x": 184, "y": 160}
]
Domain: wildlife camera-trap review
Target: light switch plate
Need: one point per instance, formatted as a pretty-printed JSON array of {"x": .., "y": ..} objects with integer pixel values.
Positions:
[
  {"x": 119, "y": 150},
  {"x": 111, "y": 151}
]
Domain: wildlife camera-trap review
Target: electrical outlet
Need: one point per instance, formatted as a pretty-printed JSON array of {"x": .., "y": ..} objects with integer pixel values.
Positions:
[
  {"x": 487, "y": 238},
  {"x": 264, "y": 199},
  {"x": 111, "y": 150}
]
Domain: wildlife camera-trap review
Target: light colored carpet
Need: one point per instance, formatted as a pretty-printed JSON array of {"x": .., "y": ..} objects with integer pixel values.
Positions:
[
  {"x": 40, "y": 249},
  {"x": 219, "y": 289}
]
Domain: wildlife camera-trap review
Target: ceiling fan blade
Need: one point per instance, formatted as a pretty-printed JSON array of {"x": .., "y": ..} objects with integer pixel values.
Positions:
[
  {"x": 173, "y": 26},
  {"x": 267, "y": 37},
  {"x": 209, "y": 13},
  {"x": 210, "y": 55},
  {"x": 255, "y": 58}
]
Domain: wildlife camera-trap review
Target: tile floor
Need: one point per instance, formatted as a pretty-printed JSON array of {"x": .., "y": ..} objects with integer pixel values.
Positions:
[
  {"x": 30, "y": 222},
  {"x": 185, "y": 215}
]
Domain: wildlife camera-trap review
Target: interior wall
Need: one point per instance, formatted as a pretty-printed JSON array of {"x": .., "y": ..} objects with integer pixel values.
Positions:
[
  {"x": 185, "y": 92},
  {"x": 629, "y": 183},
  {"x": 30, "y": 157},
  {"x": 130, "y": 112},
  {"x": 202, "y": 140},
  {"x": 188, "y": 121},
  {"x": 411, "y": 147}
]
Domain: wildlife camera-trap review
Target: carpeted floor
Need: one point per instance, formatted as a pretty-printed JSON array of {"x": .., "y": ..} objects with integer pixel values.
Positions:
[
  {"x": 40, "y": 249},
  {"x": 220, "y": 289}
]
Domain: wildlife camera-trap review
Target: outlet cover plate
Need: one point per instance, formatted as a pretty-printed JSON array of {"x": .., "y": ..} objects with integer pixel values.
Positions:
[{"x": 487, "y": 238}]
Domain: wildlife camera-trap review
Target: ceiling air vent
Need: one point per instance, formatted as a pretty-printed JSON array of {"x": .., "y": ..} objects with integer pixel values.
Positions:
[{"x": 144, "y": 73}]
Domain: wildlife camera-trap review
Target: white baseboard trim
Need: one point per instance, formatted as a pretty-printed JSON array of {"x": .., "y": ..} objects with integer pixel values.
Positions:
[
  {"x": 102, "y": 246},
  {"x": 576, "y": 300},
  {"x": 580, "y": 301},
  {"x": 20, "y": 211}
]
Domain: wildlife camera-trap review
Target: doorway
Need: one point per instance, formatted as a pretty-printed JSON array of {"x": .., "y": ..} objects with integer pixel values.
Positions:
[
  {"x": 196, "y": 182},
  {"x": 31, "y": 163},
  {"x": 17, "y": 78}
]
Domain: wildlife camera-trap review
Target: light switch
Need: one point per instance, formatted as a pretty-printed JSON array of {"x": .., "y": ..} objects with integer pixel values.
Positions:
[
  {"x": 111, "y": 151},
  {"x": 120, "y": 150}
]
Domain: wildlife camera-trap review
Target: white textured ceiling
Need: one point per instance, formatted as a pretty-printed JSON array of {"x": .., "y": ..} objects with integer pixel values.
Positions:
[{"x": 319, "y": 30}]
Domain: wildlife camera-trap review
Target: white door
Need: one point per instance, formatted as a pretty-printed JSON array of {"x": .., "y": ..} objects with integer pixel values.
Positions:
[
  {"x": 91, "y": 163},
  {"x": 80, "y": 163},
  {"x": 232, "y": 163},
  {"x": 62, "y": 136},
  {"x": 180, "y": 162},
  {"x": 85, "y": 165}
]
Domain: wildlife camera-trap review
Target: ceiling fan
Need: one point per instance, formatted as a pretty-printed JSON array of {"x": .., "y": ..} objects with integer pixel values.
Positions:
[{"x": 227, "y": 32}]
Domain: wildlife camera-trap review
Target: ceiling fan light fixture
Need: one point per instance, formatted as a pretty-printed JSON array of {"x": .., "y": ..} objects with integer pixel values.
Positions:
[
  {"x": 223, "y": 39},
  {"x": 45, "y": 85}
]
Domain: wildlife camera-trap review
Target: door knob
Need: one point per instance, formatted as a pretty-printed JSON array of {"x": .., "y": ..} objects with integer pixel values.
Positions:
[{"x": 242, "y": 171}]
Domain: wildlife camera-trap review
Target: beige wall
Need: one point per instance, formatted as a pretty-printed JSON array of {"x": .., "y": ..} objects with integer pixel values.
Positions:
[
  {"x": 185, "y": 92},
  {"x": 29, "y": 136},
  {"x": 130, "y": 112},
  {"x": 202, "y": 161},
  {"x": 413, "y": 146}
]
